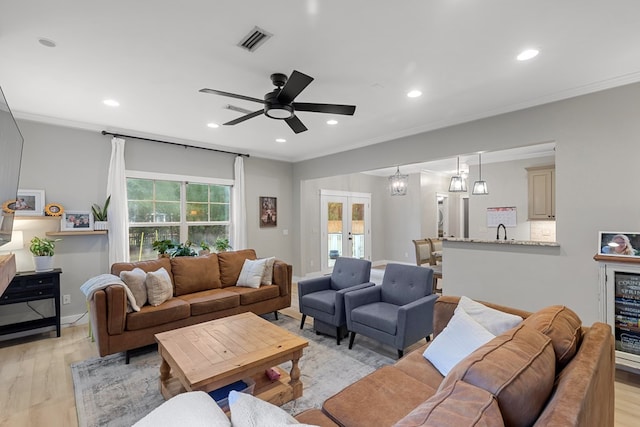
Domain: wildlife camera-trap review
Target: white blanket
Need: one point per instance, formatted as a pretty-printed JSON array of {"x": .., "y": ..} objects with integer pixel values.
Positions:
[{"x": 104, "y": 280}]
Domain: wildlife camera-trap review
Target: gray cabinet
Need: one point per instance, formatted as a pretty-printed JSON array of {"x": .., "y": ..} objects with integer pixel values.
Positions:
[{"x": 542, "y": 198}]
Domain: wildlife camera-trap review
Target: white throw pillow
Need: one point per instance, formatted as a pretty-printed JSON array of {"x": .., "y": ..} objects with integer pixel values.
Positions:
[
  {"x": 159, "y": 287},
  {"x": 251, "y": 274},
  {"x": 267, "y": 276},
  {"x": 192, "y": 409},
  {"x": 495, "y": 321},
  {"x": 134, "y": 280},
  {"x": 461, "y": 337},
  {"x": 249, "y": 411}
]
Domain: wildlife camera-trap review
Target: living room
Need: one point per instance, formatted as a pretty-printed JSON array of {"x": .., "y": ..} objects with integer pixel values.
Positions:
[{"x": 593, "y": 122}]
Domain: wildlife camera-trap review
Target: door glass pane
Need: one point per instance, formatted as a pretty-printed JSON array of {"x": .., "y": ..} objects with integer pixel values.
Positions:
[
  {"x": 357, "y": 230},
  {"x": 335, "y": 225}
]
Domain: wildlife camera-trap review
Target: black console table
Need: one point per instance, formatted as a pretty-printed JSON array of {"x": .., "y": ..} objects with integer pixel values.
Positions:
[{"x": 32, "y": 286}]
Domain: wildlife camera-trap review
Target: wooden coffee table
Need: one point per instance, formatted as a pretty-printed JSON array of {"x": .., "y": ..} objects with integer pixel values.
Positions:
[{"x": 213, "y": 354}]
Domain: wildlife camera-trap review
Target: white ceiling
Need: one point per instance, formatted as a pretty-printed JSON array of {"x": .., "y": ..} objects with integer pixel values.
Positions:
[{"x": 154, "y": 55}]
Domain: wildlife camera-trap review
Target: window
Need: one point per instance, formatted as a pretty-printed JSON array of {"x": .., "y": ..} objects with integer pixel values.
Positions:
[{"x": 177, "y": 209}]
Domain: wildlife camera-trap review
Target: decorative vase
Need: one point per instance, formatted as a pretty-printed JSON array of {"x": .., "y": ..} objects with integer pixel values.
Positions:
[
  {"x": 100, "y": 225},
  {"x": 43, "y": 263}
]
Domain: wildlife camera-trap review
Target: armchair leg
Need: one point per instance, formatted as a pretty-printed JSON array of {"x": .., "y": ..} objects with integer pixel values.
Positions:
[
  {"x": 338, "y": 335},
  {"x": 428, "y": 338},
  {"x": 276, "y": 314},
  {"x": 304, "y": 317},
  {"x": 352, "y": 337},
  {"x": 400, "y": 354}
]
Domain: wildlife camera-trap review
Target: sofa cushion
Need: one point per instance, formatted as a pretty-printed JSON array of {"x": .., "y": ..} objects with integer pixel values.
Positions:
[
  {"x": 251, "y": 273},
  {"x": 195, "y": 274},
  {"x": 251, "y": 295},
  {"x": 158, "y": 284},
  {"x": 267, "y": 277},
  {"x": 231, "y": 264},
  {"x": 212, "y": 300},
  {"x": 494, "y": 321},
  {"x": 563, "y": 326},
  {"x": 378, "y": 315},
  {"x": 192, "y": 409},
  {"x": 415, "y": 365},
  {"x": 389, "y": 390},
  {"x": 517, "y": 367},
  {"x": 460, "y": 338},
  {"x": 146, "y": 266},
  {"x": 134, "y": 280},
  {"x": 324, "y": 301},
  {"x": 460, "y": 404},
  {"x": 150, "y": 316},
  {"x": 315, "y": 417}
]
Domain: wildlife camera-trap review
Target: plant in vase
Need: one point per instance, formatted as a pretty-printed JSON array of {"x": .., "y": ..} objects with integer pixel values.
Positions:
[
  {"x": 100, "y": 215},
  {"x": 183, "y": 249},
  {"x": 163, "y": 247},
  {"x": 42, "y": 250},
  {"x": 205, "y": 249},
  {"x": 222, "y": 244}
]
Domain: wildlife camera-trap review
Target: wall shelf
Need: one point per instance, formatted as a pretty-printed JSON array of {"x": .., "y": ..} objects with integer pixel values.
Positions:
[{"x": 75, "y": 233}]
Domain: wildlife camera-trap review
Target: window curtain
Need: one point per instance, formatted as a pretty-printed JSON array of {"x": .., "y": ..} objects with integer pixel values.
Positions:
[
  {"x": 238, "y": 205},
  {"x": 117, "y": 213}
]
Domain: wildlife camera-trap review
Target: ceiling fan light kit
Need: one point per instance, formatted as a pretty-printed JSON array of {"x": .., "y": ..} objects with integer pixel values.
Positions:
[{"x": 278, "y": 104}]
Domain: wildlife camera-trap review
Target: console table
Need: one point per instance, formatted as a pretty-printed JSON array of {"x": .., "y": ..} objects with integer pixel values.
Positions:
[{"x": 32, "y": 286}]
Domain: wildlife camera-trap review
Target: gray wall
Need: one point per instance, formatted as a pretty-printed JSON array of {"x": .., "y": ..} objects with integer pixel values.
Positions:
[
  {"x": 595, "y": 135},
  {"x": 71, "y": 166}
]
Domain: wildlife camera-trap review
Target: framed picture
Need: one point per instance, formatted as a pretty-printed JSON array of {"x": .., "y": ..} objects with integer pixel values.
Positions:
[
  {"x": 28, "y": 203},
  {"x": 619, "y": 243},
  {"x": 76, "y": 221},
  {"x": 268, "y": 212}
]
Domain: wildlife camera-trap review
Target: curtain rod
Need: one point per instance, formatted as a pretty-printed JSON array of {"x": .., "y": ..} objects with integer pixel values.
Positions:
[{"x": 104, "y": 132}]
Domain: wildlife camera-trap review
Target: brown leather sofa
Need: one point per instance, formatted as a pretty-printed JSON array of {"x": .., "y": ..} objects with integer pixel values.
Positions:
[
  {"x": 563, "y": 376},
  {"x": 203, "y": 289}
]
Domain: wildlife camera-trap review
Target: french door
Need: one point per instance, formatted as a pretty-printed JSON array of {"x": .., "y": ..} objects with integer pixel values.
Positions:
[{"x": 345, "y": 224}]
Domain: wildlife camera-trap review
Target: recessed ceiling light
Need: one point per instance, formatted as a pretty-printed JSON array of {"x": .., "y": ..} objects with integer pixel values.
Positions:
[
  {"x": 527, "y": 54},
  {"x": 332, "y": 122},
  {"x": 414, "y": 94},
  {"x": 213, "y": 125},
  {"x": 281, "y": 140},
  {"x": 111, "y": 102},
  {"x": 46, "y": 42}
]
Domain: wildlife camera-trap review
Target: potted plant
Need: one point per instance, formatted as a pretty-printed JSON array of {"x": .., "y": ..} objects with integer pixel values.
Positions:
[
  {"x": 43, "y": 250},
  {"x": 222, "y": 244},
  {"x": 100, "y": 215},
  {"x": 163, "y": 247},
  {"x": 205, "y": 249},
  {"x": 183, "y": 249}
]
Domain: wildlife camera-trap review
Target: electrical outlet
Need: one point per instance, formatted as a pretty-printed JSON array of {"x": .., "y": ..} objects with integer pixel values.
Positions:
[{"x": 66, "y": 299}]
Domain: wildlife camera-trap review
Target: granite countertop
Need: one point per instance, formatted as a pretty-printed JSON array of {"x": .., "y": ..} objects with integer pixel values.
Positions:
[{"x": 503, "y": 242}]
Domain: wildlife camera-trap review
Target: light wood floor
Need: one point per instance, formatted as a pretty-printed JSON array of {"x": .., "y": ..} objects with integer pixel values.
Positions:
[{"x": 36, "y": 388}]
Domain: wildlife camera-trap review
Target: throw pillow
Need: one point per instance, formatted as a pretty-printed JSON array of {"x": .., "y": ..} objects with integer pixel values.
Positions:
[
  {"x": 458, "y": 339},
  {"x": 249, "y": 411},
  {"x": 495, "y": 321},
  {"x": 134, "y": 280},
  {"x": 563, "y": 326},
  {"x": 193, "y": 409},
  {"x": 159, "y": 287},
  {"x": 267, "y": 276},
  {"x": 251, "y": 273}
]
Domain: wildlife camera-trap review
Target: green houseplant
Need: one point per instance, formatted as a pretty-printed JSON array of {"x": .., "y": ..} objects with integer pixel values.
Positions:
[
  {"x": 205, "y": 249},
  {"x": 163, "y": 247},
  {"x": 43, "y": 250},
  {"x": 222, "y": 244},
  {"x": 100, "y": 215},
  {"x": 183, "y": 249}
]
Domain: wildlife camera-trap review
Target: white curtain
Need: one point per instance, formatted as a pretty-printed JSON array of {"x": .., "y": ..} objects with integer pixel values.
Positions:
[
  {"x": 238, "y": 205},
  {"x": 117, "y": 212}
]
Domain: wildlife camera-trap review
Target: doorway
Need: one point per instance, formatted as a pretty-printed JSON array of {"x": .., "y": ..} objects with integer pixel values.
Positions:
[
  {"x": 442, "y": 214},
  {"x": 345, "y": 223}
]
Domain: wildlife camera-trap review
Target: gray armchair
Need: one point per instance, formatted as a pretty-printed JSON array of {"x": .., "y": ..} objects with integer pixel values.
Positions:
[
  {"x": 323, "y": 297},
  {"x": 397, "y": 313}
]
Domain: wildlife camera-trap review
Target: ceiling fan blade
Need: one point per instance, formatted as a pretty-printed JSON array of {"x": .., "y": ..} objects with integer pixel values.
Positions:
[
  {"x": 295, "y": 124},
  {"x": 232, "y": 95},
  {"x": 245, "y": 117},
  {"x": 295, "y": 84},
  {"x": 346, "y": 110}
]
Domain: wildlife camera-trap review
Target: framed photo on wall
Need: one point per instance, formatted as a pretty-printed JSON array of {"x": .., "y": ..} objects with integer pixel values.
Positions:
[
  {"x": 619, "y": 243},
  {"x": 76, "y": 221},
  {"x": 29, "y": 203},
  {"x": 268, "y": 212}
]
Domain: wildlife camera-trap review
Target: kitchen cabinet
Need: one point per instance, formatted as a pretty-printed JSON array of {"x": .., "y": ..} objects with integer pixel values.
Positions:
[{"x": 542, "y": 197}]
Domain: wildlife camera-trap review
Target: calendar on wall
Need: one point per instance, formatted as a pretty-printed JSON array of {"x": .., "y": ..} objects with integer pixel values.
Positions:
[{"x": 502, "y": 215}]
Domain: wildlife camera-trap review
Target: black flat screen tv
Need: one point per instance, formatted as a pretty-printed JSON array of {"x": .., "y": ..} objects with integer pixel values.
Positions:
[{"x": 11, "y": 142}]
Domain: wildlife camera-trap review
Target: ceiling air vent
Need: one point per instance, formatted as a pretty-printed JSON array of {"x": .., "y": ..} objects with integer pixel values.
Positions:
[{"x": 254, "y": 39}]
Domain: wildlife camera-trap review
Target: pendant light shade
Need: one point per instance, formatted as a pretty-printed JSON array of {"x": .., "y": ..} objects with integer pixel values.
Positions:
[
  {"x": 458, "y": 183},
  {"x": 398, "y": 183},
  {"x": 480, "y": 187}
]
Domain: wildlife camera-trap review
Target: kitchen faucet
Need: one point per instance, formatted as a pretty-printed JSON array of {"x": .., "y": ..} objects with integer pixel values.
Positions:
[{"x": 498, "y": 232}]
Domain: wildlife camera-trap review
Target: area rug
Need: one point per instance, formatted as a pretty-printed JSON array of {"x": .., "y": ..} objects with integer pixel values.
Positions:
[{"x": 110, "y": 393}]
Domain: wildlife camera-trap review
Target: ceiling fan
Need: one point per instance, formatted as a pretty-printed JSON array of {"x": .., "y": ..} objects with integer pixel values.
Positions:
[{"x": 278, "y": 104}]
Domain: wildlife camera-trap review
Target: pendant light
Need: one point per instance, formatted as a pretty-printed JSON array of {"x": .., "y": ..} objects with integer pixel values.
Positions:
[
  {"x": 398, "y": 183},
  {"x": 480, "y": 187},
  {"x": 458, "y": 184}
]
